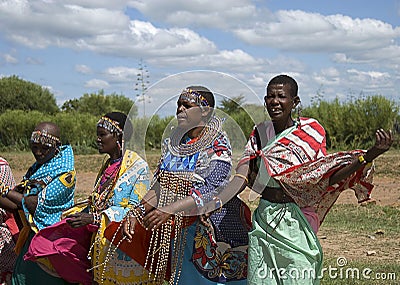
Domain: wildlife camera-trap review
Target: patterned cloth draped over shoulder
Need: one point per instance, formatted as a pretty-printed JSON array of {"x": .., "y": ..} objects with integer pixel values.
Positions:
[
  {"x": 85, "y": 248},
  {"x": 296, "y": 161},
  {"x": 54, "y": 184},
  {"x": 8, "y": 228}
]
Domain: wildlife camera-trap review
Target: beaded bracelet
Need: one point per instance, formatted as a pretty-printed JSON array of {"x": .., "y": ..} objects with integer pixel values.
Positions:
[
  {"x": 362, "y": 161},
  {"x": 142, "y": 209},
  {"x": 96, "y": 218},
  {"x": 4, "y": 189},
  {"x": 136, "y": 214}
]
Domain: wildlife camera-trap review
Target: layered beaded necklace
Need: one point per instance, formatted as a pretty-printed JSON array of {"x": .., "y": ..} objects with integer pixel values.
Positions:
[{"x": 175, "y": 186}]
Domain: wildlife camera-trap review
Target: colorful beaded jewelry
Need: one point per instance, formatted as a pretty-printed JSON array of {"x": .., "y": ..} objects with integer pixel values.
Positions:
[
  {"x": 110, "y": 125},
  {"x": 44, "y": 138},
  {"x": 194, "y": 97},
  {"x": 4, "y": 189}
]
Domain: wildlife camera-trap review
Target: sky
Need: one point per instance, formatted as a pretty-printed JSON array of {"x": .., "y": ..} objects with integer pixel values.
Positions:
[{"x": 337, "y": 49}]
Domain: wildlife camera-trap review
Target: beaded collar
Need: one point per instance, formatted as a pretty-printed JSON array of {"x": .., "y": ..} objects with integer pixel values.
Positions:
[{"x": 206, "y": 137}]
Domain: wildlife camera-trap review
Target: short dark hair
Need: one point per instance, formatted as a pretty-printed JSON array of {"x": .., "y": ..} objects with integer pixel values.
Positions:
[{"x": 285, "y": 79}]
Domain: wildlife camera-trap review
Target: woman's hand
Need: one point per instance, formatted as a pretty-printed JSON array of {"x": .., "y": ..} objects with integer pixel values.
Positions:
[
  {"x": 80, "y": 219},
  {"x": 156, "y": 218},
  {"x": 383, "y": 141},
  {"x": 128, "y": 227},
  {"x": 31, "y": 202}
]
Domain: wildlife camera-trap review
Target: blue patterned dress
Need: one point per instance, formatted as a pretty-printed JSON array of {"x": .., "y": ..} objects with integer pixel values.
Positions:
[
  {"x": 55, "y": 194},
  {"x": 217, "y": 255}
]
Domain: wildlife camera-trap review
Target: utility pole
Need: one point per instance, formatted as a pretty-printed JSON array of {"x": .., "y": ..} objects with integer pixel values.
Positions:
[{"x": 142, "y": 81}]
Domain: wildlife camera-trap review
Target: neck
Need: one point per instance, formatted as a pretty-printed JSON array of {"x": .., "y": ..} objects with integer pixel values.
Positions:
[
  {"x": 195, "y": 132},
  {"x": 115, "y": 154},
  {"x": 281, "y": 126}
]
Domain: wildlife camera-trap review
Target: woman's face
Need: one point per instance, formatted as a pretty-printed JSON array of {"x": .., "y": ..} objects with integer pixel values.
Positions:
[
  {"x": 42, "y": 153},
  {"x": 189, "y": 115},
  {"x": 106, "y": 141},
  {"x": 279, "y": 102}
]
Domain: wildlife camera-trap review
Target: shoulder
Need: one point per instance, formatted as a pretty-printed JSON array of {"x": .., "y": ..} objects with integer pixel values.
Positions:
[
  {"x": 3, "y": 161},
  {"x": 132, "y": 158},
  {"x": 313, "y": 123}
]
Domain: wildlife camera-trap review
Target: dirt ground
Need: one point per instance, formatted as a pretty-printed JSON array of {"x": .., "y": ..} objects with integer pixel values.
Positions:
[{"x": 375, "y": 248}]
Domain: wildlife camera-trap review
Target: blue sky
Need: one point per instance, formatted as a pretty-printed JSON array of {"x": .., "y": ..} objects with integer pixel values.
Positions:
[{"x": 337, "y": 48}]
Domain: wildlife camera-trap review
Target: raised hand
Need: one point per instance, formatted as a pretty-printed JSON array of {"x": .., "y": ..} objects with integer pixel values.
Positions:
[{"x": 383, "y": 141}]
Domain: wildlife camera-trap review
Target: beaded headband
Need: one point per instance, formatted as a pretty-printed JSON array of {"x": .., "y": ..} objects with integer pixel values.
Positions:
[
  {"x": 44, "y": 138},
  {"x": 110, "y": 125},
  {"x": 194, "y": 97}
]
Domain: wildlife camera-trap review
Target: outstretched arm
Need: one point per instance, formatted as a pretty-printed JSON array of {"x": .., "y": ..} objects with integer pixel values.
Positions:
[{"x": 383, "y": 141}]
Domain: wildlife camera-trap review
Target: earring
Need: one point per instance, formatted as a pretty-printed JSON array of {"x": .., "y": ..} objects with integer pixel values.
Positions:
[{"x": 299, "y": 109}]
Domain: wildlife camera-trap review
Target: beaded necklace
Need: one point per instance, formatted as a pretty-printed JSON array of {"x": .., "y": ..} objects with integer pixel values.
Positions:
[
  {"x": 206, "y": 137},
  {"x": 175, "y": 186},
  {"x": 102, "y": 191}
]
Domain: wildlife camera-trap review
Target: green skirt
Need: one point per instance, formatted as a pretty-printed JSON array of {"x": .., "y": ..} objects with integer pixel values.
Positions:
[{"x": 283, "y": 249}]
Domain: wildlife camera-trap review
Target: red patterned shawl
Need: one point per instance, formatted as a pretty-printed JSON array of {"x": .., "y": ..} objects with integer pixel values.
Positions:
[{"x": 298, "y": 160}]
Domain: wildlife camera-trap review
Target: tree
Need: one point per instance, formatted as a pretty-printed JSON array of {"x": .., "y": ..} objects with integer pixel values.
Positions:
[
  {"x": 231, "y": 106},
  {"x": 18, "y": 94},
  {"x": 100, "y": 104}
]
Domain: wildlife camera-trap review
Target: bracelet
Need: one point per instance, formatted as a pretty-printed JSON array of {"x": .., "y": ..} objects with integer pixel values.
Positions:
[
  {"x": 136, "y": 214},
  {"x": 142, "y": 209},
  {"x": 4, "y": 189},
  {"x": 362, "y": 160},
  {"x": 96, "y": 218},
  {"x": 218, "y": 204},
  {"x": 242, "y": 176}
]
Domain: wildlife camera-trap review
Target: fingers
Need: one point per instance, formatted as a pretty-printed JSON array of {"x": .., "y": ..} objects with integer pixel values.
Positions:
[
  {"x": 128, "y": 228},
  {"x": 383, "y": 139},
  {"x": 150, "y": 220},
  {"x": 126, "y": 231}
]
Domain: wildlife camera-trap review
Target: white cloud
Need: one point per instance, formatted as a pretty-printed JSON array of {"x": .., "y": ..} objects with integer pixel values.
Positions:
[
  {"x": 297, "y": 30},
  {"x": 8, "y": 58},
  {"x": 199, "y": 13},
  {"x": 82, "y": 68},
  {"x": 97, "y": 84},
  {"x": 121, "y": 74}
]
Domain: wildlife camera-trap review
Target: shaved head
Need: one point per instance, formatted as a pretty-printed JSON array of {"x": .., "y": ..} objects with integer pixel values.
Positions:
[{"x": 49, "y": 127}]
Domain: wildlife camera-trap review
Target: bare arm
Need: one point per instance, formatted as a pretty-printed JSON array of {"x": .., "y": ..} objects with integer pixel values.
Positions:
[{"x": 383, "y": 141}]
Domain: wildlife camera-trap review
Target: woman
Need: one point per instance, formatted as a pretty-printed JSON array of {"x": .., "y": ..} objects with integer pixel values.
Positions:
[
  {"x": 47, "y": 189},
  {"x": 122, "y": 182},
  {"x": 194, "y": 167},
  {"x": 286, "y": 161},
  {"x": 8, "y": 227}
]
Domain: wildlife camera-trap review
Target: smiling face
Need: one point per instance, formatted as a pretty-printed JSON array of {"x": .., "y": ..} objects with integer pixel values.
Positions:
[{"x": 279, "y": 102}]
